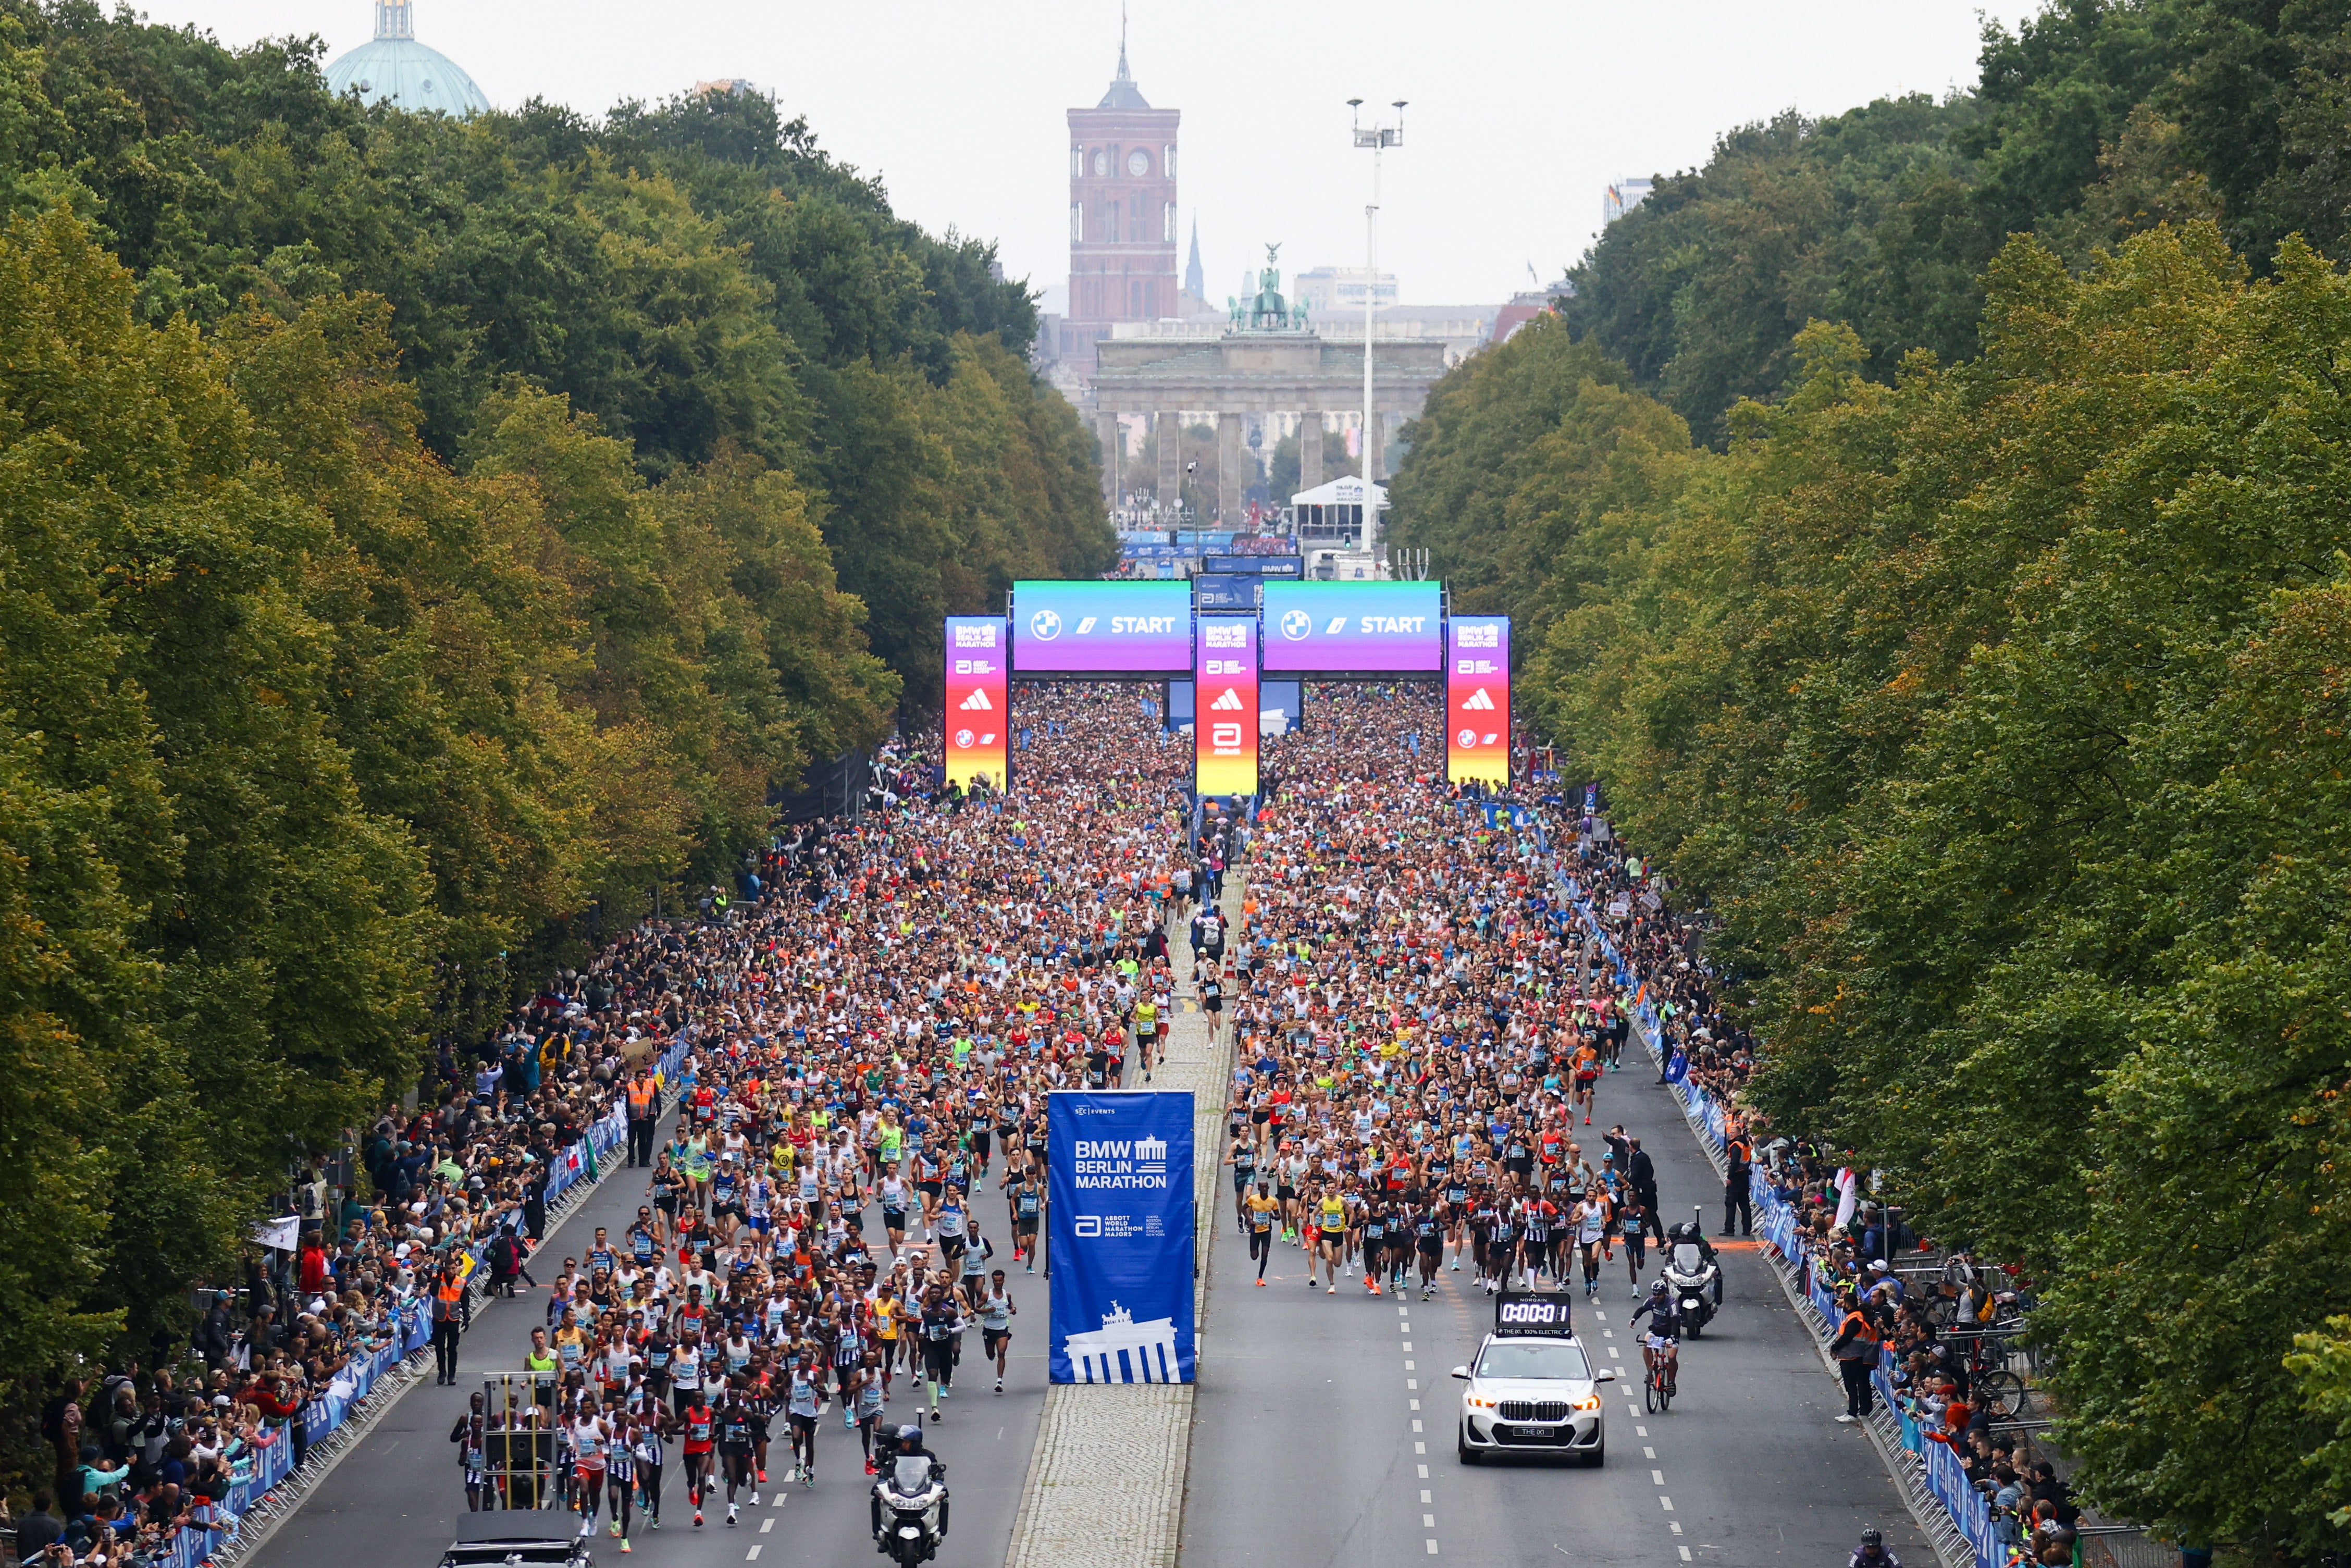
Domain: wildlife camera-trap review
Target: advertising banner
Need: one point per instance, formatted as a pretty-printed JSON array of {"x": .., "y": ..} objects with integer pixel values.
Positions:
[
  {"x": 1354, "y": 628},
  {"x": 1224, "y": 715},
  {"x": 1477, "y": 699},
  {"x": 980, "y": 700},
  {"x": 1106, "y": 629},
  {"x": 1120, "y": 1206}
]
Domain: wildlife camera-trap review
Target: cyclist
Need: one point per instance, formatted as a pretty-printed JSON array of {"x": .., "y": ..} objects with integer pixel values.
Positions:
[
  {"x": 1872, "y": 1553},
  {"x": 1661, "y": 1344}
]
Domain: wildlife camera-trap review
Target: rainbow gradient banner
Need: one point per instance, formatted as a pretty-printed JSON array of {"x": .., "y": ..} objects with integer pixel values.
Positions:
[
  {"x": 978, "y": 700},
  {"x": 1477, "y": 699},
  {"x": 1224, "y": 705}
]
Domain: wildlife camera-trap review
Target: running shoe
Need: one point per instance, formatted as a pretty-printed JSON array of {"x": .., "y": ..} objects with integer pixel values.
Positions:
[
  {"x": 755, "y": 1496},
  {"x": 763, "y": 1481},
  {"x": 1260, "y": 1284},
  {"x": 811, "y": 1478},
  {"x": 616, "y": 1526},
  {"x": 1334, "y": 1289},
  {"x": 1457, "y": 1265},
  {"x": 871, "y": 1470},
  {"x": 697, "y": 1519},
  {"x": 1000, "y": 1385},
  {"x": 731, "y": 1520}
]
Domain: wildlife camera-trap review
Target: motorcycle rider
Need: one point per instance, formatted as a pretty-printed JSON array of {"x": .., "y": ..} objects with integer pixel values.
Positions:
[
  {"x": 889, "y": 1447},
  {"x": 1873, "y": 1553},
  {"x": 1694, "y": 1232}
]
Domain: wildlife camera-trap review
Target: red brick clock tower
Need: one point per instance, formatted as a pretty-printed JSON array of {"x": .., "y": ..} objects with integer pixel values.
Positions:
[{"x": 1122, "y": 217}]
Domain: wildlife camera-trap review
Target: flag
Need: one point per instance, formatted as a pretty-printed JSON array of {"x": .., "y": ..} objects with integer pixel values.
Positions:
[{"x": 1678, "y": 1065}]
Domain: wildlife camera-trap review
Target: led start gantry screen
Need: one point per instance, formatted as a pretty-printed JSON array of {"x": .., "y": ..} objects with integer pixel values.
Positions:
[
  {"x": 1354, "y": 628},
  {"x": 1116, "y": 629}
]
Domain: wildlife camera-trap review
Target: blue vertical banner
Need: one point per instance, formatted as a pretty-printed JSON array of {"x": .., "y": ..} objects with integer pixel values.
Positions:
[{"x": 1119, "y": 1188}]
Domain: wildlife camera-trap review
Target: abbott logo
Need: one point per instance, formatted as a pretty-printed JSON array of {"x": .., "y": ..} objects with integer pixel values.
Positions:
[
  {"x": 1085, "y": 1225},
  {"x": 1224, "y": 735}
]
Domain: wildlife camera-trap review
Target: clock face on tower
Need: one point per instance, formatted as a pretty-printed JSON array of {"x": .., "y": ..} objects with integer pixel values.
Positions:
[
  {"x": 1101, "y": 162},
  {"x": 1138, "y": 163}
]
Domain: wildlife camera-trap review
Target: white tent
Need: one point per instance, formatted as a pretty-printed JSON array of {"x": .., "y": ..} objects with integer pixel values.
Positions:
[{"x": 1347, "y": 490}]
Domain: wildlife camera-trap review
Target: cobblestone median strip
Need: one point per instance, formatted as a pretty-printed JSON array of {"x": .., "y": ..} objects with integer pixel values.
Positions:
[{"x": 1105, "y": 1487}]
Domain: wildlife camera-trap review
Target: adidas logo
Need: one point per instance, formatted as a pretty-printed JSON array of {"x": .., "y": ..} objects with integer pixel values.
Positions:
[
  {"x": 1231, "y": 701},
  {"x": 978, "y": 701},
  {"x": 1478, "y": 699}
]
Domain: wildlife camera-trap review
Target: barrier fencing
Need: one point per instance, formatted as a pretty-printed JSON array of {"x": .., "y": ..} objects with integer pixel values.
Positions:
[{"x": 273, "y": 1461}]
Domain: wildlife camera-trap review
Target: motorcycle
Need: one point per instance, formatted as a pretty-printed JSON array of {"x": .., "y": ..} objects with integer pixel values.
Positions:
[
  {"x": 910, "y": 1510},
  {"x": 1695, "y": 1280}
]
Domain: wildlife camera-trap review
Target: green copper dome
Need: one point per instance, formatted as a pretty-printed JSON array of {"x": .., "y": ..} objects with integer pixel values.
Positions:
[{"x": 397, "y": 69}]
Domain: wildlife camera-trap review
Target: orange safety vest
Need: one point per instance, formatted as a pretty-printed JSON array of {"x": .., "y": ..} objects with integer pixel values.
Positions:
[{"x": 640, "y": 1098}]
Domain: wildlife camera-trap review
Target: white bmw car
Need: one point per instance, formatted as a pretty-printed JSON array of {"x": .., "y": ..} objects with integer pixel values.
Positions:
[{"x": 1532, "y": 1393}]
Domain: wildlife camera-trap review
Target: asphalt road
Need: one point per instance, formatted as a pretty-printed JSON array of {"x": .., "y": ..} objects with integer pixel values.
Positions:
[
  {"x": 396, "y": 1498},
  {"x": 1325, "y": 1424}
]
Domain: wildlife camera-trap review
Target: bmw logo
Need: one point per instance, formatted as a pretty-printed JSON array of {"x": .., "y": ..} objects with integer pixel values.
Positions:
[
  {"x": 963, "y": 739},
  {"x": 1467, "y": 739},
  {"x": 1045, "y": 625},
  {"x": 1296, "y": 625}
]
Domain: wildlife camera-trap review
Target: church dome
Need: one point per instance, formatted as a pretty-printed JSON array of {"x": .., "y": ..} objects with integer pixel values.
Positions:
[{"x": 395, "y": 69}]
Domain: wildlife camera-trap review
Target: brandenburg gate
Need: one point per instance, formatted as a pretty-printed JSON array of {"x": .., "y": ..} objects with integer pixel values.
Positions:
[{"x": 1267, "y": 362}]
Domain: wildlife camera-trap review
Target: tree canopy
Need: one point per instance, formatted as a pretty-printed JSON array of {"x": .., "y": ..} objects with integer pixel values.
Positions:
[
  {"x": 420, "y": 540},
  {"x": 1928, "y": 524}
]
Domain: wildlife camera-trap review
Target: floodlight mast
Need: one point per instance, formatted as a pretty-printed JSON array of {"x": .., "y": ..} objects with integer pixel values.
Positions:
[{"x": 1379, "y": 139}]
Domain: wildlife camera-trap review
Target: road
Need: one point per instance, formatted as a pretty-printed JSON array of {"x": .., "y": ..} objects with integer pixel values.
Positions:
[
  {"x": 396, "y": 1497},
  {"x": 1325, "y": 1424}
]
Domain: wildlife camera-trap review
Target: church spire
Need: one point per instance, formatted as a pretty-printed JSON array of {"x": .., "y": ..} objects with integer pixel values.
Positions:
[
  {"x": 1122, "y": 45},
  {"x": 1195, "y": 283}
]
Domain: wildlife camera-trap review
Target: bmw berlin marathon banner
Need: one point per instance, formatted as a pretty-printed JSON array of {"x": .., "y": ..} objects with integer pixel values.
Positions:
[
  {"x": 1224, "y": 706},
  {"x": 1340, "y": 628},
  {"x": 1477, "y": 700},
  {"x": 1121, "y": 1211},
  {"x": 1103, "y": 629},
  {"x": 980, "y": 698}
]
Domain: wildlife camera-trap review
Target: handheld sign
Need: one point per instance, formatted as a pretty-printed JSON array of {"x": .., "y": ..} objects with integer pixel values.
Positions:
[{"x": 1531, "y": 1313}]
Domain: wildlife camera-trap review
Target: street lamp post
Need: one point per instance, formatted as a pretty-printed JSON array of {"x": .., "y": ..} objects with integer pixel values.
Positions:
[{"x": 1378, "y": 138}]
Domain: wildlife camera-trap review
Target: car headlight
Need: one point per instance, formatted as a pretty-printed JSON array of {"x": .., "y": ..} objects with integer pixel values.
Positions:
[{"x": 1589, "y": 1402}]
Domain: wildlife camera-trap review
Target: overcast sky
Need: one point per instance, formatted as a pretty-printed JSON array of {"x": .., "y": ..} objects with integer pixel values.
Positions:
[{"x": 1519, "y": 113}]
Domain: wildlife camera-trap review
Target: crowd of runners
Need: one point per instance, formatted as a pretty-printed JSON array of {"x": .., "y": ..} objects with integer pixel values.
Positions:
[
  {"x": 855, "y": 1176},
  {"x": 854, "y": 1181},
  {"x": 1422, "y": 1037}
]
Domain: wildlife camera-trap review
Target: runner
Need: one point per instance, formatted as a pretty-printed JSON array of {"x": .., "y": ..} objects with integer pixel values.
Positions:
[{"x": 995, "y": 1310}]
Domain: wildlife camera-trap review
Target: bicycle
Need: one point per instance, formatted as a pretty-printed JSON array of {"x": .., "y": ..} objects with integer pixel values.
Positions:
[{"x": 1657, "y": 1388}]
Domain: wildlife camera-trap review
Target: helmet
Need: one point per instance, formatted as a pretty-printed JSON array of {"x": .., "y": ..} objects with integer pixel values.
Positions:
[
  {"x": 911, "y": 1432},
  {"x": 1871, "y": 1540},
  {"x": 1656, "y": 1287}
]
